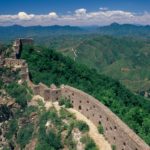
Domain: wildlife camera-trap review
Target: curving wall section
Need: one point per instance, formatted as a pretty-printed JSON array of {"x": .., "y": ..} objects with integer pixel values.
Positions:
[{"x": 115, "y": 131}]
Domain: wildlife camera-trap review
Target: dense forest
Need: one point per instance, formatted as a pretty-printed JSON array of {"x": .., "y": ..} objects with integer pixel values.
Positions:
[{"x": 49, "y": 66}]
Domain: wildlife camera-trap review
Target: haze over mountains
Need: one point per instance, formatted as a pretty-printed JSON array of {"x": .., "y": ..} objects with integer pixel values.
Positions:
[{"x": 9, "y": 33}]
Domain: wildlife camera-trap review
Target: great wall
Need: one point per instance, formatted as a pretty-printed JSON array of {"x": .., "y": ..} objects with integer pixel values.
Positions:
[{"x": 116, "y": 132}]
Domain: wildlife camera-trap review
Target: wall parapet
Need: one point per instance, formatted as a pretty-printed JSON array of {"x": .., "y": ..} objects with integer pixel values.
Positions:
[{"x": 52, "y": 93}]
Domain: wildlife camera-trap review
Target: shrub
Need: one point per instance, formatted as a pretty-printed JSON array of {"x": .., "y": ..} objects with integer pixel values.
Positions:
[
  {"x": 70, "y": 142},
  {"x": 68, "y": 104},
  {"x": 66, "y": 114},
  {"x": 82, "y": 126},
  {"x": 54, "y": 139},
  {"x": 113, "y": 147},
  {"x": 89, "y": 143},
  {"x": 65, "y": 102},
  {"x": 19, "y": 93},
  {"x": 50, "y": 140},
  {"x": 43, "y": 136},
  {"x": 62, "y": 101},
  {"x": 25, "y": 135},
  {"x": 13, "y": 127},
  {"x": 100, "y": 129},
  {"x": 29, "y": 110}
]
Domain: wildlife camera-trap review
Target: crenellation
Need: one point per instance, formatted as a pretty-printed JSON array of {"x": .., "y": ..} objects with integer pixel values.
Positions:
[
  {"x": 36, "y": 89},
  {"x": 47, "y": 94},
  {"x": 42, "y": 88},
  {"x": 52, "y": 94}
]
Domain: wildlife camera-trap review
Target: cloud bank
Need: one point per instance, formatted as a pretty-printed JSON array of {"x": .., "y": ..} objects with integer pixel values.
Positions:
[{"x": 80, "y": 17}]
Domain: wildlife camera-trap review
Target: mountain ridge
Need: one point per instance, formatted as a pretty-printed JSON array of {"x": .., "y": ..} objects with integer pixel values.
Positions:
[{"x": 8, "y": 33}]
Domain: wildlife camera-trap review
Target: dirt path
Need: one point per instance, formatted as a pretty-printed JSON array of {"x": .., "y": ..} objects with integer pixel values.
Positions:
[{"x": 93, "y": 132}]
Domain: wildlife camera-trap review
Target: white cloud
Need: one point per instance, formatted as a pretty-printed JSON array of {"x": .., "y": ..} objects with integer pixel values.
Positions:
[
  {"x": 53, "y": 15},
  {"x": 25, "y": 16},
  {"x": 79, "y": 17},
  {"x": 80, "y": 12}
]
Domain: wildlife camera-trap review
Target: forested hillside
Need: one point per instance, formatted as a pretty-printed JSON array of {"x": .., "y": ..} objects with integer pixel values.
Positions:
[
  {"x": 48, "y": 66},
  {"x": 124, "y": 59}
]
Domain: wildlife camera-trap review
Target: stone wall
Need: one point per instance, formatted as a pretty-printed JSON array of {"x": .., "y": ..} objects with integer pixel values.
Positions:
[
  {"x": 28, "y": 41},
  {"x": 18, "y": 64},
  {"x": 53, "y": 94},
  {"x": 17, "y": 46},
  {"x": 115, "y": 131},
  {"x": 1, "y": 61},
  {"x": 10, "y": 62}
]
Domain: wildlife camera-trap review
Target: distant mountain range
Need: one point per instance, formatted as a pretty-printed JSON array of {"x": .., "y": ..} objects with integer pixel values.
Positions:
[
  {"x": 9, "y": 33},
  {"x": 125, "y": 30}
]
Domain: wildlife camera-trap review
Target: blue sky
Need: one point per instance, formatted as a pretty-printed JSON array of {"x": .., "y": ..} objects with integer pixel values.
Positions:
[
  {"x": 74, "y": 12},
  {"x": 62, "y": 6}
]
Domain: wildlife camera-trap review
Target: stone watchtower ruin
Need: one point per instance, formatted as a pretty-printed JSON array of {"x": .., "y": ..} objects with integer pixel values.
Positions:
[
  {"x": 17, "y": 46},
  {"x": 14, "y": 61}
]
